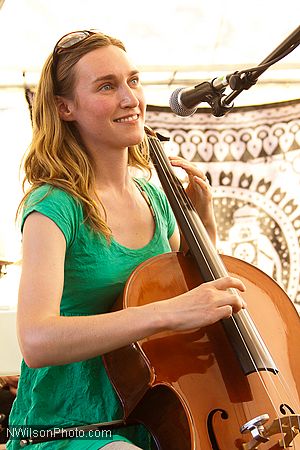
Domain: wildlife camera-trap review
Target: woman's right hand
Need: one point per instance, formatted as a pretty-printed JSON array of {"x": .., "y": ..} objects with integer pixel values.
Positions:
[{"x": 205, "y": 304}]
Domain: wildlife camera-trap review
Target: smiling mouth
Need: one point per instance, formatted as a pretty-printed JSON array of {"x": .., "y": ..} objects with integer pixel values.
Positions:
[{"x": 127, "y": 119}]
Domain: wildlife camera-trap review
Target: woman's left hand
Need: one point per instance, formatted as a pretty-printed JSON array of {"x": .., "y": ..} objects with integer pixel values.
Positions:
[{"x": 199, "y": 192}]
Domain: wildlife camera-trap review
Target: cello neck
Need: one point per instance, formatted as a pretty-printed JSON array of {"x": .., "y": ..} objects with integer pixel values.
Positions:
[
  {"x": 208, "y": 261},
  {"x": 249, "y": 347}
]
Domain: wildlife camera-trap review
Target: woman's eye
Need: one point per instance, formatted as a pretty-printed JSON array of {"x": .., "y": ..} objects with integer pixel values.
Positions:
[
  {"x": 135, "y": 81},
  {"x": 105, "y": 87}
]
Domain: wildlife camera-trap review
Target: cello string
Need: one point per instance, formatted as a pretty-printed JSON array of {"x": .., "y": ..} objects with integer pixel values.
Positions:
[{"x": 238, "y": 330}]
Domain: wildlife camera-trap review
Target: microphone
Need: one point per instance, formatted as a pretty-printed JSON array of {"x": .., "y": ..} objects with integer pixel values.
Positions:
[{"x": 184, "y": 101}]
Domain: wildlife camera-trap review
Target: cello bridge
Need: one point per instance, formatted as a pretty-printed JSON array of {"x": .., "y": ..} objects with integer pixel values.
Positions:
[{"x": 287, "y": 426}]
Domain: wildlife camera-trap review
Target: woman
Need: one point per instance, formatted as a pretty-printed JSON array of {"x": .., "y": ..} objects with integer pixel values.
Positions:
[{"x": 87, "y": 223}]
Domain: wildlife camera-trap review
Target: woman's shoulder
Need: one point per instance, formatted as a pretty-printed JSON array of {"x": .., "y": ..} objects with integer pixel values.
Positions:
[
  {"x": 159, "y": 202},
  {"x": 56, "y": 203},
  {"x": 149, "y": 186},
  {"x": 47, "y": 197},
  {"x": 47, "y": 191},
  {"x": 153, "y": 190}
]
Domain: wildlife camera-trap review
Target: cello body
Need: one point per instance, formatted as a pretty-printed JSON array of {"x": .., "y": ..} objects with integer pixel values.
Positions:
[
  {"x": 232, "y": 385},
  {"x": 188, "y": 388}
]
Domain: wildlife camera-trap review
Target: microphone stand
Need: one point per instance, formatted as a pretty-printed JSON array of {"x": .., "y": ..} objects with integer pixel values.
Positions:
[{"x": 238, "y": 83}]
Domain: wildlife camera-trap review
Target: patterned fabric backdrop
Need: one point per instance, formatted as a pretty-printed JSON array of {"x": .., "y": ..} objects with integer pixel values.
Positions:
[{"x": 252, "y": 159}]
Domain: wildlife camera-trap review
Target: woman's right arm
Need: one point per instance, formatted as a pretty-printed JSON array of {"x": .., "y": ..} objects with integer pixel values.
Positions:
[{"x": 46, "y": 338}]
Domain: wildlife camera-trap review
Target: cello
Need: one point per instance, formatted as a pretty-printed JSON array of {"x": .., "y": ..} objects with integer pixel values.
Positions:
[{"x": 232, "y": 385}]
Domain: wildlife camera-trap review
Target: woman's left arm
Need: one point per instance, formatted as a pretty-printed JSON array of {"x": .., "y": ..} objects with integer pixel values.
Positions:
[{"x": 199, "y": 192}]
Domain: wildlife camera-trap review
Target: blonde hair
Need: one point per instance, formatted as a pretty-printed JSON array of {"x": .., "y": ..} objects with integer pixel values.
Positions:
[{"x": 56, "y": 155}]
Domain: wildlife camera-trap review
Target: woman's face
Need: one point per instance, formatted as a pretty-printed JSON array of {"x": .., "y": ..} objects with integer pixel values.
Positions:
[{"x": 109, "y": 105}]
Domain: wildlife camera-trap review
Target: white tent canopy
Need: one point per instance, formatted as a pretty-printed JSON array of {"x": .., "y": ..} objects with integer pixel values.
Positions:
[{"x": 173, "y": 42}]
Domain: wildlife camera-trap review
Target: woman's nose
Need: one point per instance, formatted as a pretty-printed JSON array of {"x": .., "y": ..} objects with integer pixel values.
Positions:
[{"x": 128, "y": 98}]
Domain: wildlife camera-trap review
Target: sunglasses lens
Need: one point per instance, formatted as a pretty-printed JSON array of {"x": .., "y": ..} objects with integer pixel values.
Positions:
[
  {"x": 72, "y": 39},
  {"x": 68, "y": 41}
]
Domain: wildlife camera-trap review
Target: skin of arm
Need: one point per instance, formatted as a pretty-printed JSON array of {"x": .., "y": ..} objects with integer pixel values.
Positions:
[{"x": 46, "y": 338}]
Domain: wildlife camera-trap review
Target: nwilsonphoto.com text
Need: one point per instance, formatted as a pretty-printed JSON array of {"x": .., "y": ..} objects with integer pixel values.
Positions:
[{"x": 35, "y": 432}]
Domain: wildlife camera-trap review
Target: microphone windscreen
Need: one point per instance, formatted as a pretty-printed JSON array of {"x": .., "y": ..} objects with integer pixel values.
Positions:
[{"x": 177, "y": 107}]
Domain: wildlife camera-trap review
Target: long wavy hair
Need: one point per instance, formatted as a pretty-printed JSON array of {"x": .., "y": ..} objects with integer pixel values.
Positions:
[{"x": 56, "y": 155}]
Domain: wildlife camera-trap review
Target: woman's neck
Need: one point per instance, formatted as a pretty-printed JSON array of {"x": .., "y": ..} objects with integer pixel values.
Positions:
[{"x": 111, "y": 171}]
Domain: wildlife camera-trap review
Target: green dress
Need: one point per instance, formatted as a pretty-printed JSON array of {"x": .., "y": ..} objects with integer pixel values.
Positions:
[{"x": 80, "y": 393}]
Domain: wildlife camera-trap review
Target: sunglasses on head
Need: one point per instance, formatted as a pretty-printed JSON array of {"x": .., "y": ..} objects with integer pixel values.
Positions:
[{"x": 66, "y": 42}]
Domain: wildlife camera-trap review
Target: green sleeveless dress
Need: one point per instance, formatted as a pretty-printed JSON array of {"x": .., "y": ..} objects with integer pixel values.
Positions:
[{"x": 80, "y": 393}]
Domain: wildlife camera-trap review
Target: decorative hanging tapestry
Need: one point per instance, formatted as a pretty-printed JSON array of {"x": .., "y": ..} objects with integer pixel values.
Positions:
[{"x": 252, "y": 159}]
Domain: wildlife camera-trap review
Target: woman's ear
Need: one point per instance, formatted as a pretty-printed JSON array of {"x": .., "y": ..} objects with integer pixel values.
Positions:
[{"x": 64, "y": 108}]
